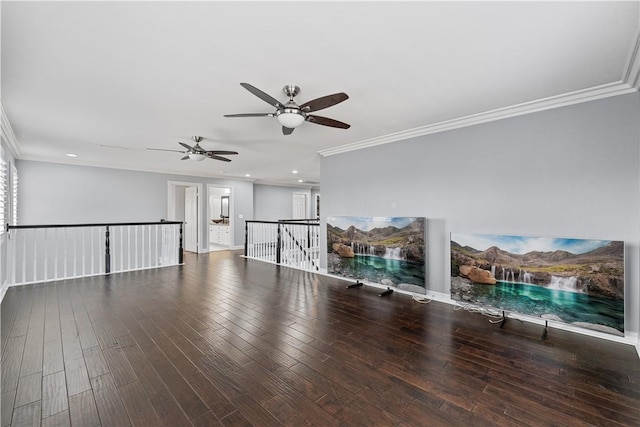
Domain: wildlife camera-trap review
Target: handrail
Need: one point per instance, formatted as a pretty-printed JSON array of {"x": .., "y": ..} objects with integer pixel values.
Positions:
[
  {"x": 101, "y": 224},
  {"x": 285, "y": 221}
]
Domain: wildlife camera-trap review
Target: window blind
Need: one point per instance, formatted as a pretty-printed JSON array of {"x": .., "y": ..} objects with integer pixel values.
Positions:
[
  {"x": 14, "y": 195},
  {"x": 3, "y": 190}
]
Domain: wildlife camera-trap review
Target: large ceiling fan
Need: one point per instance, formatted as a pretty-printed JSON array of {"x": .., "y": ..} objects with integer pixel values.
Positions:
[
  {"x": 197, "y": 153},
  {"x": 291, "y": 114}
]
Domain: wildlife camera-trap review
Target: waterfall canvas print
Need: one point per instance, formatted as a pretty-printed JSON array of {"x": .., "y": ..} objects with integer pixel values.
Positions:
[
  {"x": 574, "y": 281},
  {"x": 388, "y": 251}
]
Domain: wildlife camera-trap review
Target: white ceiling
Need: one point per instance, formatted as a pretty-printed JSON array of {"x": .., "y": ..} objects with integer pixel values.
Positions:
[{"x": 106, "y": 80}]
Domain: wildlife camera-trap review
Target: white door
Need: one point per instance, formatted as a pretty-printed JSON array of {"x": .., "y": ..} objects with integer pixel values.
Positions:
[
  {"x": 191, "y": 219},
  {"x": 300, "y": 203}
]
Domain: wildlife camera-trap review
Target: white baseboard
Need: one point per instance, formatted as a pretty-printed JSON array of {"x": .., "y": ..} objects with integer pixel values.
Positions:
[
  {"x": 3, "y": 291},
  {"x": 630, "y": 338}
]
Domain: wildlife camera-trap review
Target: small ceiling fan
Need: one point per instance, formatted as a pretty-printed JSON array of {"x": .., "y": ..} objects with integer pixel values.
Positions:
[
  {"x": 198, "y": 153},
  {"x": 291, "y": 114}
]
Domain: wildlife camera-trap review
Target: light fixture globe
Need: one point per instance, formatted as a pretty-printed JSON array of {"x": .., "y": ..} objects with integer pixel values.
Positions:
[
  {"x": 197, "y": 157},
  {"x": 290, "y": 117}
]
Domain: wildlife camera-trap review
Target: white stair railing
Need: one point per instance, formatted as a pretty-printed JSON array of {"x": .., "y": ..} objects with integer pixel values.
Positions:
[
  {"x": 41, "y": 253},
  {"x": 292, "y": 243}
]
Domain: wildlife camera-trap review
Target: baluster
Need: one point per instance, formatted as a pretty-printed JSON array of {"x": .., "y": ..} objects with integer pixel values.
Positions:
[
  {"x": 74, "y": 232},
  {"x": 13, "y": 244},
  {"x": 121, "y": 249},
  {"x": 35, "y": 257},
  {"x": 157, "y": 259},
  {"x": 139, "y": 256},
  {"x": 135, "y": 244},
  {"x": 252, "y": 236},
  {"x": 46, "y": 257},
  {"x": 128, "y": 249},
  {"x": 24, "y": 256},
  {"x": 64, "y": 253},
  {"x": 91, "y": 248},
  {"x": 84, "y": 254}
]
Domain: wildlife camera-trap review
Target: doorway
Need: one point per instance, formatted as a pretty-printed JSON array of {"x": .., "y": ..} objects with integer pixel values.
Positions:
[
  {"x": 300, "y": 205},
  {"x": 220, "y": 217},
  {"x": 184, "y": 205}
]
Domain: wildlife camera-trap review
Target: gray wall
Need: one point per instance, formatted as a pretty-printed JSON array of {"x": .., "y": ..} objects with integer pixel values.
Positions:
[
  {"x": 180, "y": 205},
  {"x": 567, "y": 172},
  {"x": 56, "y": 193},
  {"x": 273, "y": 202}
]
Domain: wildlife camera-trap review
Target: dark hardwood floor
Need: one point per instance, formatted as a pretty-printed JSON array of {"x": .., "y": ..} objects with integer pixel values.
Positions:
[{"x": 228, "y": 341}]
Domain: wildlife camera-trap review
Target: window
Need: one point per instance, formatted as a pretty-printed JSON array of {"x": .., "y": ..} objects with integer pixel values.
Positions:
[
  {"x": 3, "y": 190},
  {"x": 14, "y": 195}
]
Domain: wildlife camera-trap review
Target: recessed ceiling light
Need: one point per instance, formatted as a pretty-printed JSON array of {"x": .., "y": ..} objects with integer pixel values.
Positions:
[
  {"x": 294, "y": 171},
  {"x": 247, "y": 175},
  {"x": 72, "y": 155},
  {"x": 301, "y": 180}
]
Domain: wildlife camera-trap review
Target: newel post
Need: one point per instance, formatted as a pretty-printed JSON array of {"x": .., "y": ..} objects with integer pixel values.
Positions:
[
  {"x": 180, "y": 249},
  {"x": 107, "y": 254},
  {"x": 278, "y": 245},
  {"x": 246, "y": 237}
]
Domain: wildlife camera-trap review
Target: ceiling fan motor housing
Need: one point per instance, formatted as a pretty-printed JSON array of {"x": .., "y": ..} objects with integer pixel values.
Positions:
[{"x": 291, "y": 90}]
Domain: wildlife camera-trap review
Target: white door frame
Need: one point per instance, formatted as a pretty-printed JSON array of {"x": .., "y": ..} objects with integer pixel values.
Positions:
[
  {"x": 171, "y": 205},
  {"x": 210, "y": 214},
  {"x": 191, "y": 219}
]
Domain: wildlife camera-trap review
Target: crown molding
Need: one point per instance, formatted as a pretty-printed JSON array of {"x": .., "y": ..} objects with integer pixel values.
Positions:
[
  {"x": 571, "y": 98},
  {"x": 632, "y": 70},
  {"x": 7, "y": 133}
]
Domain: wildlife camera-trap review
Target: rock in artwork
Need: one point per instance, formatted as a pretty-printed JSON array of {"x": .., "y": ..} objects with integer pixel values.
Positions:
[
  {"x": 574, "y": 281},
  {"x": 388, "y": 251}
]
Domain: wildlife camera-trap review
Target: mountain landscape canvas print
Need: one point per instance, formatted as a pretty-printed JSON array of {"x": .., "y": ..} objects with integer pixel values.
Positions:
[
  {"x": 574, "y": 281},
  {"x": 388, "y": 251}
]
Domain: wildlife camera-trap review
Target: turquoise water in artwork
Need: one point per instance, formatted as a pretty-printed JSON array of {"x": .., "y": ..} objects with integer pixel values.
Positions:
[
  {"x": 375, "y": 269},
  {"x": 537, "y": 301}
]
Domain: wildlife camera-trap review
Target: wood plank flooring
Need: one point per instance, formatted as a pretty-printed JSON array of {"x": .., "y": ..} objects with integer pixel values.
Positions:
[{"x": 226, "y": 341}]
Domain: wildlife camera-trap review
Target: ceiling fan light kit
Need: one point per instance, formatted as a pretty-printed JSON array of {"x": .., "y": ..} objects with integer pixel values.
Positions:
[
  {"x": 292, "y": 115},
  {"x": 290, "y": 118}
]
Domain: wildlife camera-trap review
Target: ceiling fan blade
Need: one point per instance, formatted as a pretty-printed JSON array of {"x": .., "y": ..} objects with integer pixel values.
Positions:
[
  {"x": 186, "y": 146},
  {"x": 327, "y": 122},
  {"x": 185, "y": 158},
  {"x": 324, "y": 102},
  {"x": 260, "y": 94},
  {"x": 162, "y": 149},
  {"x": 286, "y": 130},
  {"x": 223, "y": 152},
  {"x": 214, "y": 157},
  {"x": 250, "y": 115}
]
